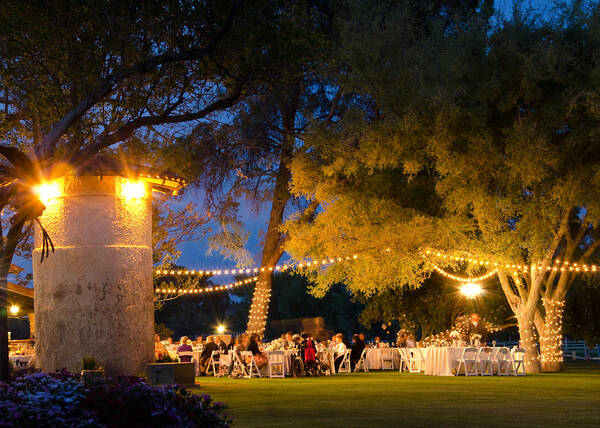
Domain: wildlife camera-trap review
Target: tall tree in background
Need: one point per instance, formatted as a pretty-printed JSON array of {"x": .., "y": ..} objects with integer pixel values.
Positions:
[
  {"x": 500, "y": 124},
  {"x": 248, "y": 154}
]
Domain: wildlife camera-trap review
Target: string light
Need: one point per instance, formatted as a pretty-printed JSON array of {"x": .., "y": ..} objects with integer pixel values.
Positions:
[
  {"x": 466, "y": 279},
  {"x": 551, "y": 341},
  {"x": 204, "y": 290},
  {"x": 556, "y": 265},
  {"x": 256, "y": 269}
]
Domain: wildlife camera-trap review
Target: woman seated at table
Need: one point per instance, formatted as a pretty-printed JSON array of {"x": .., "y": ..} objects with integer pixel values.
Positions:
[
  {"x": 339, "y": 350},
  {"x": 159, "y": 349},
  {"x": 184, "y": 347},
  {"x": 402, "y": 341},
  {"x": 260, "y": 358},
  {"x": 199, "y": 342},
  {"x": 410, "y": 342}
]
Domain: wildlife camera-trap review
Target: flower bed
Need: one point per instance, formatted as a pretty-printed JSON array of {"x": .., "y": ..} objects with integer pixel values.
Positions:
[{"x": 60, "y": 400}]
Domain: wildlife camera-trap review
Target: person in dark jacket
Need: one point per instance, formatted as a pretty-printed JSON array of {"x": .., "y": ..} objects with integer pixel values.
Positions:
[
  {"x": 209, "y": 347},
  {"x": 356, "y": 350}
]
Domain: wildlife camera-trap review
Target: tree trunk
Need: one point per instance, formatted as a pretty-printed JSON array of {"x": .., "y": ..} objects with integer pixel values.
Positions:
[
  {"x": 3, "y": 320},
  {"x": 257, "y": 320},
  {"x": 272, "y": 252},
  {"x": 529, "y": 343},
  {"x": 551, "y": 339},
  {"x": 6, "y": 255}
]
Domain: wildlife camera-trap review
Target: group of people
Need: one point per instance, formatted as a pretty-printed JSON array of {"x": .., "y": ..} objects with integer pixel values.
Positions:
[{"x": 304, "y": 343}]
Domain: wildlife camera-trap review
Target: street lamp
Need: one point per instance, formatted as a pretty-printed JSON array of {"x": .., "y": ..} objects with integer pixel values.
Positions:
[
  {"x": 471, "y": 290},
  {"x": 221, "y": 329},
  {"x": 14, "y": 310}
]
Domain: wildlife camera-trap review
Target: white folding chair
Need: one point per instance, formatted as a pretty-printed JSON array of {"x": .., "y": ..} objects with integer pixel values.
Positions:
[
  {"x": 277, "y": 364},
  {"x": 345, "y": 364},
  {"x": 238, "y": 365},
  {"x": 503, "y": 361},
  {"x": 404, "y": 360},
  {"x": 387, "y": 358},
  {"x": 468, "y": 360},
  {"x": 414, "y": 360},
  {"x": 421, "y": 358},
  {"x": 252, "y": 366},
  {"x": 518, "y": 361},
  {"x": 362, "y": 363},
  {"x": 213, "y": 364},
  {"x": 485, "y": 362}
]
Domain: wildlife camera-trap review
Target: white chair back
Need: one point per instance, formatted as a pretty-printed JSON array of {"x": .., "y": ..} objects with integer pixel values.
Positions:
[
  {"x": 276, "y": 364},
  {"x": 518, "y": 361},
  {"x": 252, "y": 366},
  {"x": 362, "y": 363},
  {"x": 345, "y": 364}
]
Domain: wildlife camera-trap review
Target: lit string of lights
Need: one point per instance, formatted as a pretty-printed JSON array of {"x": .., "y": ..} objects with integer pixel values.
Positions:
[
  {"x": 255, "y": 269},
  {"x": 204, "y": 290},
  {"x": 556, "y": 265}
]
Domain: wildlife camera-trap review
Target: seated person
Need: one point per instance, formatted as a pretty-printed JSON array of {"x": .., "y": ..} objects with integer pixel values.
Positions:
[
  {"x": 377, "y": 342},
  {"x": 339, "y": 350},
  {"x": 260, "y": 358},
  {"x": 356, "y": 350},
  {"x": 221, "y": 344},
  {"x": 159, "y": 349},
  {"x": 184, "y": 347},
  {"x": 476, "y": 326},
  {"x": 308, "y": 350},
  {"x": 402, "y": 341},
  {"x": 199, "y": 342},
  {"x": 288, "y": 343},
  {"x": 410, "y": 342},
  {"x": 209, "y": 347}
]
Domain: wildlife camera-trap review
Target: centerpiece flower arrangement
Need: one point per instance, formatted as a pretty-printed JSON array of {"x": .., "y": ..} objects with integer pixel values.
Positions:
[
  {"x": 275, "y": 345},
  {"x": 455, "y": 336}
]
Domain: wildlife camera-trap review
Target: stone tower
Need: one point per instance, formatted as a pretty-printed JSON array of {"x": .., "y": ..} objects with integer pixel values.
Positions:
[{"x": 94, "y": 294}]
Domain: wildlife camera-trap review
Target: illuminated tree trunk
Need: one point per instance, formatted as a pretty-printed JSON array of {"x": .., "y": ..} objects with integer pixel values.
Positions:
[
  {"x": 257, "y": 320},
  {"x": 523, "y": 302},
  {"x": 551, "y": 337},
  {"x": 528, "y": 341},
  {"x": 272, "y": 252}
]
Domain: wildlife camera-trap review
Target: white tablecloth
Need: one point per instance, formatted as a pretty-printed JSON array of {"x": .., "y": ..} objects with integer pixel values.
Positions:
[
  {"x": 441, "y": 361},
  {"x": 289, "y": 354},
  {"x": 374, "y": 355}
]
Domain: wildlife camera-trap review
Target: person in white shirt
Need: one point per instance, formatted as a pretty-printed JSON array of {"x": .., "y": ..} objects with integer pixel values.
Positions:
[{"x": 339, "y": 350}]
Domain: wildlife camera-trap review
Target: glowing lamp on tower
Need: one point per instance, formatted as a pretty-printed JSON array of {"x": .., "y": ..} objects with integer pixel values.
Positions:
[
  {"x": 133, "y": 189},
  {"x": 471, "y": 290},
  {"x": 47, "y": 191}
]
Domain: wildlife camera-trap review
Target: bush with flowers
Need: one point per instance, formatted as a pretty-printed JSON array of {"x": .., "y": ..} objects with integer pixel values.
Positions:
[{"x": 61, "y": 400}]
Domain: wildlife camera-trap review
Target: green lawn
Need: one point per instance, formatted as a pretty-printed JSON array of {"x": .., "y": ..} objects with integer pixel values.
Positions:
[{"x": 390, "y": 398}]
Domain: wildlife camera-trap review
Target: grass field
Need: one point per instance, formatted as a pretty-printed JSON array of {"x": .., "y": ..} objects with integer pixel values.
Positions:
[{"x": 568, "y": 399}]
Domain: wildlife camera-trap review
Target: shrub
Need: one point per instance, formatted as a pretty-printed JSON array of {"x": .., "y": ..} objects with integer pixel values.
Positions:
[{"x": 60, "y": 400}]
